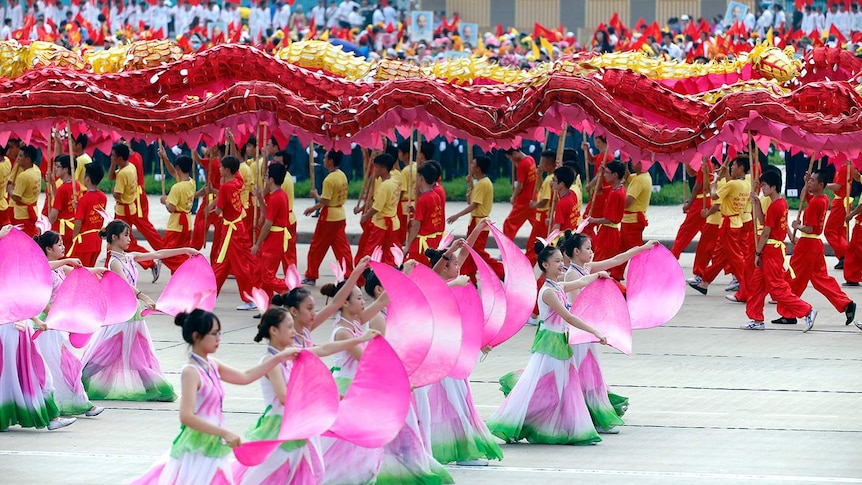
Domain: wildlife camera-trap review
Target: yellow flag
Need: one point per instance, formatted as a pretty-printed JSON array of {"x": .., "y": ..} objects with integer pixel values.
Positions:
[
  {"x": 536, "y": 53},
  {"x": 548, "y": 47},
  {"x": 324, "y": 35}
]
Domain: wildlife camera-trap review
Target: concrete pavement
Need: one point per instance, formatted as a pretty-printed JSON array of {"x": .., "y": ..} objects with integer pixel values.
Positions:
[{"x": 710, "y": 404}]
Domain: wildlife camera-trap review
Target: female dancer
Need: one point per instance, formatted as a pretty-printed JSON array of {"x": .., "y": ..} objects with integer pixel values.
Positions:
[
  {"x": 295, "y": 462},
  {"x": 458, "y": 434},
  {"x": 25, "y": 392},
  {"x": 120, "y": 363},
  {"x": 547, "y": 405},
  {"x": 199, "y": 455},
  {"x": 62, "y": 364},
  {"x": 605, "y": 408}
]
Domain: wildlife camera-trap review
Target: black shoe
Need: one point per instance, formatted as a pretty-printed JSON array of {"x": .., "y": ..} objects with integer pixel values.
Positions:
[
  {"x": 698, "y": 288},
  {"x": 850, "y": 312},
  {"x": 784, "y": 321},
  {"x": 848, "y": 284},
  {"x": 256, "y": 316},
  {"x": 840, "y": 264}
]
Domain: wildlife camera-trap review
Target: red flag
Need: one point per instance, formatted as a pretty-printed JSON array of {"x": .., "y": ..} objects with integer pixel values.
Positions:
[
  {"x": 499, "y": 30},
  {"x": 837, "y": 33},
  {"x": 704, "y": 27},
  {"x": 691, "y": 31},
  {"x": 159, "y": 34},
  {"x": 455, "y": 21},
  {"x": 312, "y": 29},
  {"x": 640, "y": 25},
  {"x": 540, "y": 30},
  {"x": 390, "y": 28}
]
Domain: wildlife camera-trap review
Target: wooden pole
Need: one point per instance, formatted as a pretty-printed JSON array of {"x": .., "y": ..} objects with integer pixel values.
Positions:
[
  {"x": 365, "y": 169},
  {"x": 72, "y": 162},
  {"x": 162, "y": 168},
  {"x": 754, "y": 159},
  {"x": 848, "y": 204},
  {"x": 539, "y": 180},
  {"x": 804, "y": 197},
  {"x": 684, "y": 184},
  {"x": 561, "y": 146},
  {"x": 598, "y": 182},
  {"x": 51, "y": 184},
  {"x": 469, "y": 175},
  {"x": 410, "y": 181},
  {"x": 311, "y": 165},
  {"x": 257, "y": 181}
]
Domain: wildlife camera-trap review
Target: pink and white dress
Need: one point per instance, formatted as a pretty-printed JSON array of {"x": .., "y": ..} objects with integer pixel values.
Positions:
[
  {"x": 197, "y": 458},
  {"x": 120, "y": 362},
  {"x": 62, "y": 364},
  {"x": 546, "y": 404},
  {"x": 345, "y": 462},
  {"x": 457, "y": 432},
  {"x": 25, "y": 385},
  {"x": 295, "y": 462}
]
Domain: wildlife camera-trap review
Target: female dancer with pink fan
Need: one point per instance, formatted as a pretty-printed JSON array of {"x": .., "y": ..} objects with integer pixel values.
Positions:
[
  {"x": 605, "y": 407},
  {"x": 199, "y": 455},
  {"x": 62, "y": 364},
  {"x": 547, "y": 405},
  {"x": 120, "y": 362}
]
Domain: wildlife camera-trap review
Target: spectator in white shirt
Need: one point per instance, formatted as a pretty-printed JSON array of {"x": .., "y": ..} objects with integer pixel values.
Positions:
[
  {"x": 356, "y": 19},
  {"x": 390, "y": 15},
  {"x": 764, "y": 21},
  {"x": 779, "y": 19},
  {"x": 259, "y": 21},
  {"x": 281, "y": 20},
  {"x": 6, "y": 31},
  {"x": 749, "y": 21},
  {"x": 839, "y": 19},
  {"x": 160, "y": 17},
  {"x": 855, "y": 18},
  {"x": 377, "y": 16},
  {"x": 318, "y": 14},
  {"x": 808, "y": 20}
]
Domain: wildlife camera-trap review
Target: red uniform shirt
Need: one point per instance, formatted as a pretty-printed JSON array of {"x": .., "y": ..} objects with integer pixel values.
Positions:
[
  {"x": 91, "y": 221},
  {"x": 598, "y": 206},
  {"x": 212, "y": 167},
  {"x": 815, "y": 213},
  {"x": 527, "y": 180},
  {"x": 230, "y": 199},
  {"x": 136, "y": 160},
  {"x": 63, "y": 200},
  {"x": 567, "y": 211},
  {"x": 615, "y": 205},
  {"x": 441, "y": 193},
  {"x": 841, "y": 180},
  {"x": 277, "y": 212},
  {"x": 776, "y": 219},
  {"x": 429, "y": 213}
]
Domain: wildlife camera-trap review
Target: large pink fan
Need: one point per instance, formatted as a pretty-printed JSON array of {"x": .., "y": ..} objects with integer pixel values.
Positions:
[
  {"x": 192, "y": 285},
  {"x": 520, "y": 287},
  {"x": 375, "y": 406},
  {"x": 25, "y": 278},
  {"x": 260, "y": 299},
  {"x": 310, "y": 408},
  {"x": 409, "y": 324},
  {"x": 446, "y": 340},
  {"x": 472, "y": 325},
  {"x": 656, "y": 288},
  {"x": 121, "y": 300},
  {"x": 493, "y": 298},
  {"x": 602, "y": 306},
  {"x": 79, "y": 305}
]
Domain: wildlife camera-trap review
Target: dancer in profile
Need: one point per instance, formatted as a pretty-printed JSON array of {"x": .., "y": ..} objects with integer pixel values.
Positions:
[
  {"x": 120, "y": 362},
  {"x": 199, "y": 454},
  {"x": 547, "y": 405}
]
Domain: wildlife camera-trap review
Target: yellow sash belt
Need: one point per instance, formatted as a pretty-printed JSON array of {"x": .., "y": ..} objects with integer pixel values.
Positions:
[
  {"x": 423, "y": 240},
  {"x": 286, "y": 234},
  {"x": 231, "y": 227}
]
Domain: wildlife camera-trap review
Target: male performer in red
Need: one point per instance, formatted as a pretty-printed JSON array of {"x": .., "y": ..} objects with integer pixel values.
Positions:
[
  {"x": 808, "y": 260},
  {"x": 283, "y": 158},
  {"x": 596, "y": 208},
  {"x": 769, "y": 272},
  {"x": 271, "y": 244},
  {"x": 62, "y": 213},
  {"x": 233, "y": 249},
  {"x": 607, "y": 242},
  {"x": 542, "y": 203},
  {"x": 330, "y": 231},
  {"x": 86, "y": 243},
  {"x": 638, "y": 193},
  {"x": 836, "y": 229},
  {"x": 204, "y": 219},
  {"x": 524, "y": 173},
  {"x": 428, "y": 225},
  {"x": 567, "y": 212},
  {"x": 698, "y": 202}
]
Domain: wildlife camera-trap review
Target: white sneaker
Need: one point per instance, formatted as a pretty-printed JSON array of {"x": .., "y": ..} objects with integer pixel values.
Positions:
[
  {"x": 308, "y": 282},
  {"x": 60, "y": 423},
  {"x": 733, "y": 286},
  {"x": 94, "y": 411},
  {"x": 532, "y": 321},
  {"x": 752, "y": 325},
  {"x": 858, "y": 325},
  {"x": 809, "y": 320},
  {"x": 614, "y": 430},
  {"x": 249, "y": 305},
  {"x": 732, "y": 298},
  {"x": 473, "y": 463},
  {"x": 694, "y": 280},
  {"x": 156, "y": 270}
]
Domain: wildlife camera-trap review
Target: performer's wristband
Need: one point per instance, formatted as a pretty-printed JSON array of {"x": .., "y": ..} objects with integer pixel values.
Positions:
[{"x": 758, "y": 254}]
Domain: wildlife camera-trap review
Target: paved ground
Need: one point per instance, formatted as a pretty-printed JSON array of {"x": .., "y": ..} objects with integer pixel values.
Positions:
[{"x": 709, "y": 404}]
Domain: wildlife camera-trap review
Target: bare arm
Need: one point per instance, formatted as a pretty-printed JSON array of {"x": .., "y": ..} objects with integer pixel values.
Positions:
[
  {"x": 191, "y": 382},
  {"x": 344, "y": 335},
  {"x": 555, "y": 304},
  {"x": 234, "y": 376},
  {"x": 341, "y": 345},
  {"x": 470, "y": 208},
  {"x": 163, "y": 253},
  {"x": 340, "y": 297},
  {"x": 621, "y": 258}
]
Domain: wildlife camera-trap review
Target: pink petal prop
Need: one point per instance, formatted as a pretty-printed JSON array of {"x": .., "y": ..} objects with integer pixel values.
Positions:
[
  {"x": 446, "y": 241},
  {"x": 409, "y": 325},
  {"x": 192, "y": 285},
  {"x": 25, "y": 278},
  {"x": 291, "y": 277},
  {"x": 376, "y": 403},
  {"x": 122, "y": 304},
  {"x": 107, "y": 217},
  {"x": 520, "y": 287},
  {"x": 43, "y": 224},
  {"x": 79, "y": 340},
  {"x": 80, "y": 305},
  {"x": 446, "y": 340},
  {"x": 340, "y": 272},
  {"x": 583, "y": 225},
  {"x": 259, "y": 298},
  {"x": 656, "y": 288},
  {"x": 492, "y": 296},
  {"x": 311, "y": 404},
  {"x": 602, "y": 306},
  {"x": 377, "y": 254},
  {"x": 397, "y": 255},
  {"x": 472, "y": 326}
]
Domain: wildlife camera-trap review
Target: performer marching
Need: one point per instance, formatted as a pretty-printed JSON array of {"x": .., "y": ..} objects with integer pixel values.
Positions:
[{"x": 330, "y": 231}]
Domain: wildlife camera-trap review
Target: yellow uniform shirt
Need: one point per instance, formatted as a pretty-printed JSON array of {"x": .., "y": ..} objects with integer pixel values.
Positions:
[
  {"x": 247, "y": 183},
  {"x": 80, "y": 164},
  {"x": 5, "y": 171},
  {"x": 639, "y": 188},
  {"x": 483, "y": 195},
  {"x": 386, "y": 199},
  {"x": 27, "y": 187},
  {"x": 181, "y": 196},
  {"x": 746, "y": 213},
  {"x": 335, "y": 191},
  {"x": 733, "y": 197},
  {"x": 544, "y": 194},
  {"x": 409, "y": 176},
  {"x": 765, "y": 202},
  {"x": 127, "y": 186},
  {"x": 287, "y": 187}
]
